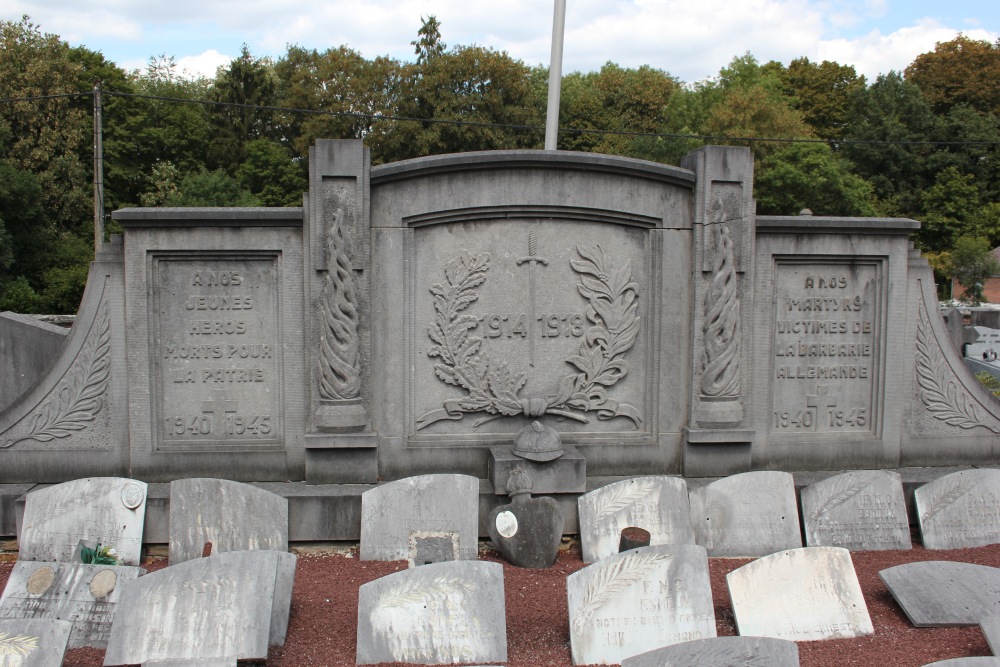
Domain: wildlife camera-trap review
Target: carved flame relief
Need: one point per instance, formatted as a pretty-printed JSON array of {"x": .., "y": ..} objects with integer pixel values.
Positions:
[{"x": 721, "y": 328}]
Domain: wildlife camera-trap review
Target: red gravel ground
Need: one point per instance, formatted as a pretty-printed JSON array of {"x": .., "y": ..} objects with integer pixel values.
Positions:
[{"x": 323, "y": 622}]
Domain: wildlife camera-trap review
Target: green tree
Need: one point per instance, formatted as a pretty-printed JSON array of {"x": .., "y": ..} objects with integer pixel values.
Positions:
[
  {"x": 798, "y": 176},
  {"x": 271, "y": 175},
  {"x": 822, "y": 92},
  {"x": 961, "y": 71},
  {"x": 210, "y": 188},
  {"x": 971, "y": 263},
  {"x": 950, "y": 209},
  {"x": 244, "y": 87}
]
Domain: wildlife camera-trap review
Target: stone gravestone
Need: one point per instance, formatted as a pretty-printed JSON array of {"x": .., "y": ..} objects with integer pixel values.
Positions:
[
  {"x": 960, "y": 510},
  {"x": 862, "y": 510},
  {"x": 528, "y": 531},
  {"x": 800, "y": 595},
  {"x": 988, "y": 341},
  {"x": 441, "y": 613},
  {"x": 230, "y": 515},
  {"x": 966, "y": 662},
  {"x": 108, "y": 510},
  {"x": 746, "y": 515},
  {"x": 86, "y": 595},
  {"x": 427, "y": 518},
  {"x": 207, "y": 662},
  {"x": 638, "y": 601},
  {"x": 657, "y": 504},
  {"x": 991, "y": 630},
  {"x": 936, "y": 593},
  {"x": 232, "y": 604},
  {"x": 721, "y": 652},
  {"x": 33, "y": 642}
]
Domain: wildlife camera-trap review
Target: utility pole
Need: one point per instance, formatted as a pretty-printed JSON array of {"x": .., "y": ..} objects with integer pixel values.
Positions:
[
  {"x": 555, "y": 75},
  {"x": 98, "y": 172}
]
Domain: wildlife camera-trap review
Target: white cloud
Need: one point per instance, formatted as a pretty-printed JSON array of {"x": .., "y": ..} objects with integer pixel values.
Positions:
[{"x": 203, "y": 64}]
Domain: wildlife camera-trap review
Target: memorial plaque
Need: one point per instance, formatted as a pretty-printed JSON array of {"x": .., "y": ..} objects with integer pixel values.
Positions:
[
  {"x": 108, "y": 510},
  {"x": 230, "y": 515},
  {"x": 216, "y": 349},
  {"x": 827, "y": 346},
  {"x": 436, "y": 614},
  {"x": 28, "y": 642},
  {"x": 980, "y": 661},
  {"x": 518, "y": 319},
  {"x": 394, "y": 516},
  {"x": 960, "y": 510},
  {"x": 986, "y": 346},
  {"x": 862, "y": 510},
  {"x": 721, "y": 652},
  {"x": 746, "y": 515},
  {"x": 232, "y": 604},
  {"x": 800, "y": 595},
  {"x": 86, "y": 595},
  {"x": 656, "y": 504},
  {"x": 938, "y": 593},
  {"x": 638, "y": 601}
]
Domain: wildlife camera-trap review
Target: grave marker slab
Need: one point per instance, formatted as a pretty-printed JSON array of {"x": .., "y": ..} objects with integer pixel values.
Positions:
[
  {"x": 231, "y": 604},
  {"x": 991, "y": 630},
  {"x": 638, "y": 601},
  {"x": 960, "y": 510},
  {"x": 751, "y": 514},
  {"x": 657, "y": 504},
  {"x": 400, "y": 517},
  {"x": 108, "y": 510},
  {"x": 800, "y": 595},
  {"x": 204, "y": 662},
  {"x": 721, "y": 652},
  {"x": 86, "y": 595},
  {"x": 437, "y": 614},
  {"x": 862, "y": 510},
  {"x": 938, "y": 593},
  {"x": 29, "y": 642},
  {"x": 981, "y": 661},
  {"x": 231, "y": 515}
]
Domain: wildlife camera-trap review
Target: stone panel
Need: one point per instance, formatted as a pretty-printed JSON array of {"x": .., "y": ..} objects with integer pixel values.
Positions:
[
  {"x": 721, "y": 652},
  {"x": 86, "y": 595},
  {"x": 746, "y": 515},
  {"x": 107, "y": 510},
  {"x": 230, "y": 515},
  {"x": 436, "y": 614},
  {"x": 862, "y": 510},
  {"x": 656, "y": 504},
  {"x": 233, "y": 604},
  {"x": 638, "y": 601},
  {"x": 396, "y": 515},
  {"x": 940, "y": 593},
  {"x": 800, "y": 595},
  {"x": 960, "y": 510},
  {"x": 33, "y": 642}
]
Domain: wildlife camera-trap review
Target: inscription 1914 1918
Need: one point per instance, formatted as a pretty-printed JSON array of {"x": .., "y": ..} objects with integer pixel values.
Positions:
[
  {"x": 827, "y": 332},
  {"x": 217, "y": 351}
]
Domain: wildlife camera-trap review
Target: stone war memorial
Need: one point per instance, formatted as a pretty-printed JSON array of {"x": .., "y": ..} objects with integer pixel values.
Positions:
[{"x": 411, "y": 319}]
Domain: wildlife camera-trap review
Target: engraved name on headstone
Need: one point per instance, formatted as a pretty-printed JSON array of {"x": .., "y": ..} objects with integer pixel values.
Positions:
[
  {"x": 86, "y": 595},
  {"x": 637, "y": 601},
  {"x": 862, "y": 510},
  {"x": 800, "y": 595},
  {"x": 960, "y": 510},
  {"x": 394, "y": 516},
  {"x": 656, "y": 504},
  {"x": 108, "y": 510},
  {"x": 232, "y": 604},
  {"x": 936, "y": 593},
  {"x": 216, "y": 349},
  {"x": 231, "y": 515},
  {"x": 721, "y": 652},
  {"x": 437, "y": 614},
  {"x": 826, "y": 344},
  {"x": 750, "y": 514},
  {"x": 28, "y": 642}
]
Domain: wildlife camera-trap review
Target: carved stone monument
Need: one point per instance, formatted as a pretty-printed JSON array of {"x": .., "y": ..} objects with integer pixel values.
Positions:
[
  {"x": 863, "y": 510},
  {"x": 437, "y": 614},
  {"x": 638, "y": 601},
  {"x": 33, "y": 642},
  {"x": 528, "y": 531},
  {"x": 959, "y": 510},
  {"x": 935, "y": 593},
  {"x": 721, "y": 652},
  {"x": 656, "y": 504}
]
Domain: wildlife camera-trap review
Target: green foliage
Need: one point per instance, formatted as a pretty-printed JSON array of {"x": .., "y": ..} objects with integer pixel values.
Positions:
[
  {"x": 962, "y": 71},
  {"x": 971, "y": 263},
  {"x": 247, "y": 87},
  {"x": 950, "y": 208},
  {"x": 210, "y": 188},
  {"x": 271, "y": 175},
  {"x": 18, "y": 296},
  {"x": 798, "y": 176},
  {"x": 822, "y": 92},
  {"x": 990, "y": 383},
  {"x": 100, "y": 555}
]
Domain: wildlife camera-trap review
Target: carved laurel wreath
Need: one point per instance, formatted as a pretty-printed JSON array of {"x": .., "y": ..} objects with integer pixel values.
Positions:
[
  {"x": 80, "y": 397},
  {"x": 492, "y": 387}
]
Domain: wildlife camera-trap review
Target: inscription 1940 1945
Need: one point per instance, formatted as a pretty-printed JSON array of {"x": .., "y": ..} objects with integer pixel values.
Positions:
[
  {"x": 825, "y": 346},
  {"x": 218, "y": 369}
]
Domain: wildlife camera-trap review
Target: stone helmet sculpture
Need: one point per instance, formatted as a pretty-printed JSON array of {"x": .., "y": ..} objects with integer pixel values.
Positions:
[{"x": 536, "y": 442}]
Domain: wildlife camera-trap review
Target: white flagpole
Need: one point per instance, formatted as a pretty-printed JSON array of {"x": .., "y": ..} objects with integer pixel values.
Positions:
[{"x": 555, "y": 75}]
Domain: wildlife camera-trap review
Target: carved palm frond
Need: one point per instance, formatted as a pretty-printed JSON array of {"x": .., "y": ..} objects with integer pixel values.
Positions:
[
  {"x": 19, "y": 645},
  {"x": 417, "y": 590},
  {"x": 839, "y": 490},
  {"x": 614, "y": 577},
  {"x": 621, "y": 496}
]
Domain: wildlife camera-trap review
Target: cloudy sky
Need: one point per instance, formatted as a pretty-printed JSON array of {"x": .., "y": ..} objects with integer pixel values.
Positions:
[{"x": 689, "y": 39}]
